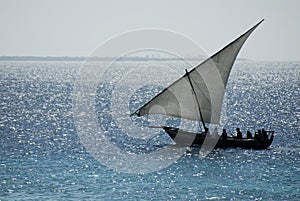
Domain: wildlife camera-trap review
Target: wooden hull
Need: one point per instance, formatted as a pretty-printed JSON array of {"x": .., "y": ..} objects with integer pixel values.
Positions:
[{"x": 190, "y": 139}]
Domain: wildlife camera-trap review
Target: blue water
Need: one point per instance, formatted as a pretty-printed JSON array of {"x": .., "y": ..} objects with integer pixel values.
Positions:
[{"x": 42, "y": 157}]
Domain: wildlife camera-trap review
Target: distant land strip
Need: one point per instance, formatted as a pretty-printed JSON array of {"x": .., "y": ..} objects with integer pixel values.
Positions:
[{"x": 81, "y": 58}]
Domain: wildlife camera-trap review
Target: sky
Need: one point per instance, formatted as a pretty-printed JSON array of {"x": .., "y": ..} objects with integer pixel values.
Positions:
[{"x": 77, "y": 27}]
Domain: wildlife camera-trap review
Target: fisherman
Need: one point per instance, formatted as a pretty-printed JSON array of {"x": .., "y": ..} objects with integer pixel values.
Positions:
[
  {"x": 239, "y": 133},
  {"x": 249, "y": 135},
  {"x": 264, "y": 133},
  {"x": 260, "y": 136},
  {"x": 256, "y": 136},
  {"x": 224, "y": 134}
]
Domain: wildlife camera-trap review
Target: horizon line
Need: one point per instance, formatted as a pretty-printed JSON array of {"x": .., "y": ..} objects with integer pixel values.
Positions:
[{"x": 136, "y": 58}]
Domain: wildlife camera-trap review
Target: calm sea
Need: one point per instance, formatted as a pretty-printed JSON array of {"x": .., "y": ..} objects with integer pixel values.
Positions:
[{"x": 43, "y": 157}]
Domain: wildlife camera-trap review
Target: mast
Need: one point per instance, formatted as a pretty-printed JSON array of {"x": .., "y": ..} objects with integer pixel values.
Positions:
[{"x": 197, "y": 101}]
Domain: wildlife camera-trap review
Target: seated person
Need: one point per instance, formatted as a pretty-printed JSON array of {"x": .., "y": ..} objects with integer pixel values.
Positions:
[
  {"x": 249, "y": 135},
  {"x": 264, "y": 133},
  {"x": 224, "y": 134},
  {"x": 260, "y": 136},
  {"x": 239, "y": 133}
]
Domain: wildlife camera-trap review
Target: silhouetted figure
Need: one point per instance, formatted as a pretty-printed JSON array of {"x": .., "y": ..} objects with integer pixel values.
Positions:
[
  {"x": 255, "y": 136},
  {"x": 224, "y": 134},
  {"x": 264, "y": 133},
  {"x": 249, "y": 135},
  {"x": 260, "y": 136},
  {"x": 238, "y": 133}
]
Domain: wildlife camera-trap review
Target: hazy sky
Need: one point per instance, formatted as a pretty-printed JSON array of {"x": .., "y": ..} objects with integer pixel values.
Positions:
[{"x": 75, "y": 28}]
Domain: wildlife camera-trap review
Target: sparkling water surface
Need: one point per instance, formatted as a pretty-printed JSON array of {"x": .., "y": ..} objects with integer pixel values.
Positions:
[{"x": 42, "y": 157}]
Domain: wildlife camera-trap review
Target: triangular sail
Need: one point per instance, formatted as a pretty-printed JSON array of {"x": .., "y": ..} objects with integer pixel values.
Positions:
[{"x": 209, "y": 80}]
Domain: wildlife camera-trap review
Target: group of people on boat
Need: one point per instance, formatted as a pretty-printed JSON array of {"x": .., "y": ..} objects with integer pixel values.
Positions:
[{"x": 259, "y": 135}]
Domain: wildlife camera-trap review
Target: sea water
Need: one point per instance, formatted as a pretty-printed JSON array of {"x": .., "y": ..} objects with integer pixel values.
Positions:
[{"x": 43, "y": 157}]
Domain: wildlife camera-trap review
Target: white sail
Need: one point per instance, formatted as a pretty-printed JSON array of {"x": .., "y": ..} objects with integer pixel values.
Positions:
[{"x": 208, "y": 79}]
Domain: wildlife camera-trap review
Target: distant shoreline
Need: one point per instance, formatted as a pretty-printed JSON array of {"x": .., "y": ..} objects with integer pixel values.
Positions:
[
  {"x": 81, "y": 58},
  {"x": 40, "y": 58},
  {"x": 138, "y": 58}
]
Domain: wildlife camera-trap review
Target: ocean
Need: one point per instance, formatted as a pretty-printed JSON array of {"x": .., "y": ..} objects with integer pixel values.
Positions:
[{"x": 49, "y": 152}]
